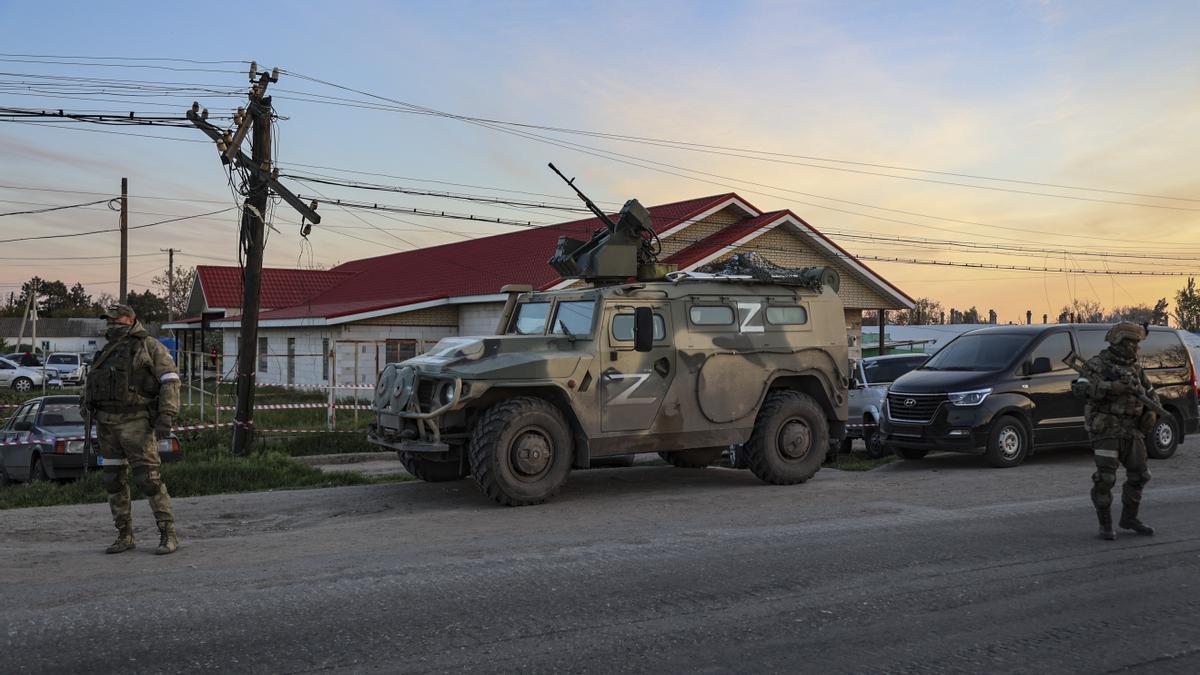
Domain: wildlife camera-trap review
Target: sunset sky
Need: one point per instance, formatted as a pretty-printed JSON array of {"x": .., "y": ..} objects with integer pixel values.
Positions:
[{"x": 942, "y": 98}]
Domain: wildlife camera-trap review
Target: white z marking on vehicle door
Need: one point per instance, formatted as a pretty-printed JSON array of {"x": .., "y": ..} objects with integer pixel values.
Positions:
[
  {"x": 624, "y": 397},
  {"x": 752, "y": 309}
]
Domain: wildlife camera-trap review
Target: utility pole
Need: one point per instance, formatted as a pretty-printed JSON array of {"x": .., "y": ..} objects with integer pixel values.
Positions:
[
  {"x": 170, "y": 281},
  {"x": 124, "y": 238},
  {"x": 263, "y": 179}
]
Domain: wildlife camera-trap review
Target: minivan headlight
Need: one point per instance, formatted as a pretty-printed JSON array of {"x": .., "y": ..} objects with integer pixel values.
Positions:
[{"x": 969, "y": 398}]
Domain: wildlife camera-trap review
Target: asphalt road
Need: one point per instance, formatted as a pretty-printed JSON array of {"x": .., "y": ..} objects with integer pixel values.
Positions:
[{"x": 942, "y": 565}]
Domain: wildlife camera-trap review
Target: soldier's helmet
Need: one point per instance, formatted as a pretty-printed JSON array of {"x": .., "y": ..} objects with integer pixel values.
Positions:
[
  {"x": 1126, "y": 330},
  {"x": 118, "y": 311}
]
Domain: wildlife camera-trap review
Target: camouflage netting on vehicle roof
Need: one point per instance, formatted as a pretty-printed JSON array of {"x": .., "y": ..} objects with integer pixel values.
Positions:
[{"x": 762, "y": 270}]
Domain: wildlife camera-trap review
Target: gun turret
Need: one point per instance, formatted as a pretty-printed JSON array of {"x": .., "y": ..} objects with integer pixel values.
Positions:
[{"x": 616, "y": 252}]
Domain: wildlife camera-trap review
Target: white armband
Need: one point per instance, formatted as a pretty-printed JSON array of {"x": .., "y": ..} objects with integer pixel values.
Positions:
[{"x": 169, "y": 377}]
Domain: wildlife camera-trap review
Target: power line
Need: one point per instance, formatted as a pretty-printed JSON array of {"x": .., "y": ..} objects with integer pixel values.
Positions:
[
  {"x": 55, "y": 208},
  {"x": 134, "y": 227},
  {"x": 122, "y": 58}
]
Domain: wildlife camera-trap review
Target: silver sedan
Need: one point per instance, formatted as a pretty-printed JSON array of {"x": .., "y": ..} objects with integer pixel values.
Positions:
[{"x": 25, "y": 379}]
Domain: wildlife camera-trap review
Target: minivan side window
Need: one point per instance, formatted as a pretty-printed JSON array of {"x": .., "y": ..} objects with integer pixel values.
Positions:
[
  {"x": 1162, "y": 350},
  {"x": 1056, "y": 347},
  {"x": 1091, "y": 343}
]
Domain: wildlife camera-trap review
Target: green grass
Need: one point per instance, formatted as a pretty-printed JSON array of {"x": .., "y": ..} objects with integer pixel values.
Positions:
[{"x": 204, "y": 471}]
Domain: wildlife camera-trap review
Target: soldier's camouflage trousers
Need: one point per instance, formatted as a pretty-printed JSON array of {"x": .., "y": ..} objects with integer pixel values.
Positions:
[
  {"x": 129, "y": 448},
  {"x": 1111, "y": 453}
]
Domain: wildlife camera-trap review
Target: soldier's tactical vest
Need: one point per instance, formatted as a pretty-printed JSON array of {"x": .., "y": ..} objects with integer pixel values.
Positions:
[
  {"x": 122, "y": 380},
  {"x": 1115, "y": 415}
]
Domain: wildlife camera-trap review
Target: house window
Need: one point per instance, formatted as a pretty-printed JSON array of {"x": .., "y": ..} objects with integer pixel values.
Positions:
[
  {"x": 262, "y": 354},
  {"x": 396, "y": 351},
  {"x": 291, "y": 360},
  {"x": 325, "y": 359}
]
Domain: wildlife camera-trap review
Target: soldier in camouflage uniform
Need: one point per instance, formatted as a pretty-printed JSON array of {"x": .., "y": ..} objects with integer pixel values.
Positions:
[
  {"x": 132, "y": 390},
  {"x": 1117, "y": 423}
]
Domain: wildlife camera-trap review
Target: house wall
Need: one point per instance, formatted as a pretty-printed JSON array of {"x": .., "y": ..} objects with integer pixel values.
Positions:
[
  {"x": 699, "y": 230},
  {"x": 80, "y": 345},
  {"x": 479, "y": 318}
]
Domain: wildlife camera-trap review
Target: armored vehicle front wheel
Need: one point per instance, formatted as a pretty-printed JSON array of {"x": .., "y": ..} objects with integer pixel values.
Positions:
[
  {"x": 790, "y": 438},
  {"x": 521, "y": 451},
  {"x": 692, "y": 459},
  {"x": 433, "y": 471}
]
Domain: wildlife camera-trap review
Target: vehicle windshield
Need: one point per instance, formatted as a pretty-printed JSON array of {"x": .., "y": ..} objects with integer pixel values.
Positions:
[
  {"x": 987, "y": 351},
  {"x": 888, "y": 370},
  {"x": 530, "y": 318},
  {"x": 574, "y": 317},
  {"x": 61, "y": 415}
]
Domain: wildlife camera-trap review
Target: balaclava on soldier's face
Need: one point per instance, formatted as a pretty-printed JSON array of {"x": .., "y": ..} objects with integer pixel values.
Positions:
[
  {"x": 1126, "y": 348},
  {"x": 115, "y": 330}
]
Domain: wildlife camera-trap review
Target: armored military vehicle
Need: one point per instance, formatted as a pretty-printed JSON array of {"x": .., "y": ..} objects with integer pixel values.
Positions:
[{"x": 637, "y": 359}]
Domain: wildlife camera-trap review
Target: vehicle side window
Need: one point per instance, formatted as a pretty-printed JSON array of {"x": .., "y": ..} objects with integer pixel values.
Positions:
[
  {"x": 787, "y": 315},
  {"x": 5, "y": 365},
  {"x": 1056, "y": 347},
  {"x": 711, "y": 315},
  {"x": 1091, "y": 342},
  {"x": 622, "y": 328},
  {"x": 60, "y": 359},
  {"x": 25, "y": 414},
  {"x": 1162, "y": 350}
]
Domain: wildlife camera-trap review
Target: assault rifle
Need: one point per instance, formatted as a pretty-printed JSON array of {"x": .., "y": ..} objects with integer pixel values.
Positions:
[{"x": 1086, "y": 373}]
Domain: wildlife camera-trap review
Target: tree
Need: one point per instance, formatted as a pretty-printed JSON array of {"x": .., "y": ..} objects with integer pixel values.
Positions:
[
  {"x": 1156, "y": 315},
  {"x": 147, "y": 305},
  {"x": 1085, "y": 311},
  {"x": 176, "y": 297},
  {"x": 924, "y": 312},
  {"x": 1187, "y": 306}
]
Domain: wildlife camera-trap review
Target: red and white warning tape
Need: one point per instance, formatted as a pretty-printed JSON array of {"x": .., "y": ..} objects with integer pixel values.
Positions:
[
  {"x": 306, "y": 386},
  {"x": 300, "y": 406},
  {"x": 192, "y": 427}
]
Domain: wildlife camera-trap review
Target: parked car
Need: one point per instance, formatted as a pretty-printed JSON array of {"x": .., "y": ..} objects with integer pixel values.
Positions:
[
  {"x": 44, "y": 440},
  {"x": 27, "y": 359},
  {"x": 25, "y": 379},
  {"x": 869, "y": 380},
  {"x": 70, "y": 367},
  {"x": 1005, "y": 392}
]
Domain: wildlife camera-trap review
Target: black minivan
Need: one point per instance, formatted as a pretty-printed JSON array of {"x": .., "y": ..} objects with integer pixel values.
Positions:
[{"x": 1005, "y": 391}]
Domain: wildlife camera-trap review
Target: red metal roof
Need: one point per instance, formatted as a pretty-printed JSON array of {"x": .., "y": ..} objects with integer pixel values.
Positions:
[
  {"x": 281, "y": 287},
  {"x": 473, "y": 267}
]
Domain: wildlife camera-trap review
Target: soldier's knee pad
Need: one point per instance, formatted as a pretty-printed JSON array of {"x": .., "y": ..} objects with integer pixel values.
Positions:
[
  {"x": 147, "y": 480},
  {"x": 1104, "y": 479},
  {"x": 1138, "y": 478},
  {"x": 110, "y": 478}
]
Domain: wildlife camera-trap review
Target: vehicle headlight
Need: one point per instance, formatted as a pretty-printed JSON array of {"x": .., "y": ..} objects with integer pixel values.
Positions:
[
  {"x": 75, "y": 447},
  {"x": 445, "y": 394},
  {"x": 969, "y": 398}
]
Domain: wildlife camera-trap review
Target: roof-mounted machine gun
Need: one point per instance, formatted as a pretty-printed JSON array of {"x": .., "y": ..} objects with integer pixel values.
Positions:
[{"x": 618, "y": 251}]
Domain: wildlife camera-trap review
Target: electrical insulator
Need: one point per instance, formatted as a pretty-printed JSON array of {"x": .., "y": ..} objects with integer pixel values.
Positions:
[
  {"x": 313, "y": 205},
  {"x": 306, "y": 229},
  {"x": 227, "y": 138},
  {"x": 222, "y": 146},
  {"x": 253, "y": 70},
  {"x": 275, "y": 74},
  {"x": 195, "y": 106},
  {"x": 204, "y": 114},
  {"x": 239, "y": 116},
  {"x": 275, "y": 173}
]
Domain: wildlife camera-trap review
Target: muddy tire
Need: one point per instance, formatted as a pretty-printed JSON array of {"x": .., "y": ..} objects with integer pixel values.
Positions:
[
  {"x": 521, "y": 451},
  {"x": 790, "y": 439},
  {"x": 433, "y": 471},
  {"x": 692, "y": 459}
]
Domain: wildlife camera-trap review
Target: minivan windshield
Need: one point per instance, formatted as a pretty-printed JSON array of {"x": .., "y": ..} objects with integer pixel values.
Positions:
[{"x": 983, "y": 351}]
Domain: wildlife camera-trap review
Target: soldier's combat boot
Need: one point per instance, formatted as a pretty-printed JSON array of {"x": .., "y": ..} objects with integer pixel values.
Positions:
[
  {"x": 124, "y": 541},
  {"x": 167, "y": 542},
  {"x": 1129, "y": 521},
  {"x": 1106, "y": 528}
]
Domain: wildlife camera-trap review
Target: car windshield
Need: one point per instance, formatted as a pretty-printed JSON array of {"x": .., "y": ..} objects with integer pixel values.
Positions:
[
  {"x": 888, "y": 370},
  {"x": 61, "y": 415},
  {"x": 983, "y": 351},
  {"x": 574, "y": 317},
  {"x": 531, "y": 318}
]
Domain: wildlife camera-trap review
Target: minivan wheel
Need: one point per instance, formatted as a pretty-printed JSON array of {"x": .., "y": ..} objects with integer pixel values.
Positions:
[
  {"x": 693, "y": 459},
  {"x": 1008, "y": 443},
  {"x": 874, "y": 441},
  {"x": 1163, "y": 439},
  {"x": 790, "y": 439},
  {"x": 521, "y": 451}
]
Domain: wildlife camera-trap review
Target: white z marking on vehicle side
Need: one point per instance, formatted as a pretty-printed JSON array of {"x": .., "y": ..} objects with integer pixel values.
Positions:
[
  {"x": 624, "y": 397},
  {"x": 752, "y": 310}
]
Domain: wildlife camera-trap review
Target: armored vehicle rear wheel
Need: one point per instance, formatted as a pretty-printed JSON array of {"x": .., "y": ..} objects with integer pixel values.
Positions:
[
  {"x": 692, "y": 459},
  {"x": 521, "y": 451},
  {"x": 433, "y": 471},
  {"x": 790, "y": 438}
]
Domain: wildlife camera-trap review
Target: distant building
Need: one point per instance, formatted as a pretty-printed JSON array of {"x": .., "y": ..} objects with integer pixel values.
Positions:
[
  {"x": 928, "y": 339},
  {"x": 80, "y": 335},
  {"x": 349, "y": 321}
]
